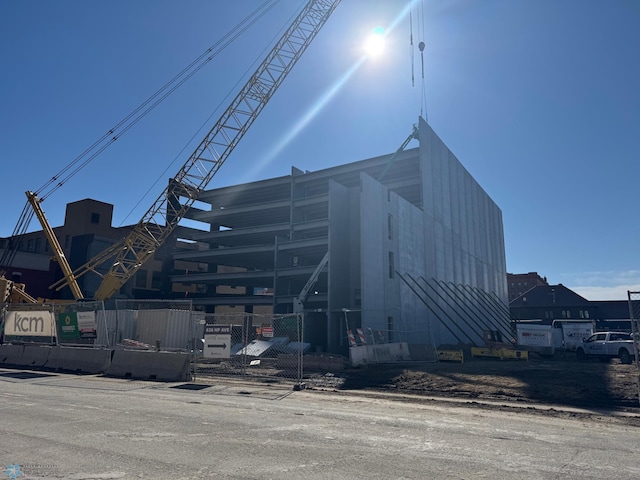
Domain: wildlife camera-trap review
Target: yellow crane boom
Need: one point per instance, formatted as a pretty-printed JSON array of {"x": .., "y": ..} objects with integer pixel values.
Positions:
[
  {"x": 130, "y": 253},
  {"x": 69, "y": 278}
]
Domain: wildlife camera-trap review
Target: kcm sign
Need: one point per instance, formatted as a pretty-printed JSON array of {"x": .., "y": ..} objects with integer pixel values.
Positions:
[{"x": 35, "y": 323}]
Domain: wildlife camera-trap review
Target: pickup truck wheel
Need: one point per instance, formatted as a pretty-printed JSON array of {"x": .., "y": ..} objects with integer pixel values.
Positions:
[
  {"x": 624, "y": 356},
  {"x": 580, "y": 355}
]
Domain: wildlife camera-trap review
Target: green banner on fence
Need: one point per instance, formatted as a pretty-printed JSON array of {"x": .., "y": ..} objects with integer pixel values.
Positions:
[{"x": 68, "y": 323}]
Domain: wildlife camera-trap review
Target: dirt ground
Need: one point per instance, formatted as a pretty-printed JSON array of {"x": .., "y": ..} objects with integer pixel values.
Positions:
[{"x": 537, "y": 381}]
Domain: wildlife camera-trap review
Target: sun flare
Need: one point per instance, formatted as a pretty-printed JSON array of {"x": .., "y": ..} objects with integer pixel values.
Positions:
[{"x": 374, "y": 44}]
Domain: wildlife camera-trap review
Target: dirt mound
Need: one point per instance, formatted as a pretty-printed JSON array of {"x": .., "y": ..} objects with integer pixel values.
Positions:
[{"x": 563, "y": 382}]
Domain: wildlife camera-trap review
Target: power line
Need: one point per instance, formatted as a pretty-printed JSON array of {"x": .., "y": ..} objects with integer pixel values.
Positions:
[
  {"x": 113, "y": 134},
  {"x": 150, "y": 103}
]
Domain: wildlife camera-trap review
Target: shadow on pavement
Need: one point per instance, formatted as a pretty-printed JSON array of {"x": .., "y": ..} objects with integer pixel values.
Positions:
[{"x": 538, "y": 381}]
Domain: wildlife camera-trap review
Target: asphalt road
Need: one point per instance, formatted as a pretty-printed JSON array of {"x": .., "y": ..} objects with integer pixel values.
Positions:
[{"x": 88, "y": 427}]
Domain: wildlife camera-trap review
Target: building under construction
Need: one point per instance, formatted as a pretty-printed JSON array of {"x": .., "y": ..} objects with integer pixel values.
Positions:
[{"x": 406, "y": 247}]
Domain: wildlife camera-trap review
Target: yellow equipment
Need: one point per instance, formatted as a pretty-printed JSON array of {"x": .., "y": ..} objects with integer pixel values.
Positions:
[{"x": 129, "y": 254}]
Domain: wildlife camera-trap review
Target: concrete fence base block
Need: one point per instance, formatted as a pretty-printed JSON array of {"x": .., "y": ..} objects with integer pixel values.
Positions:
[
  {"x": 164, "y": 366},
  {"x": 35, "y": 356},
  {"x": 83, "y": 360},
  {"x": 11, "y": 355},
  {"x": 382, "y": 353}
]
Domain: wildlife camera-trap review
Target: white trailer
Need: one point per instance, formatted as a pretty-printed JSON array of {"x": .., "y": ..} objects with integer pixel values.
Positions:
[
  {"x": 560, "y": 336},
  {"x": 574, "y": 332}
]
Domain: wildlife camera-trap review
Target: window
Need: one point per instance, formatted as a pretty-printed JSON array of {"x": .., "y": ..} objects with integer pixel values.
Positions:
[
  {"x": 141, "y": 279},
  {"x": 95, "y": 218},
  {"x": 390, "y": 226},
  {"x": 620, "y": 336},
  {"x": 30, "y": 245},
  {"x": 391, "y": 265},
  {"x": 390, "y": 328},
  {"x": 156, "y": 280},
  {"x": 38, "y": 245}
]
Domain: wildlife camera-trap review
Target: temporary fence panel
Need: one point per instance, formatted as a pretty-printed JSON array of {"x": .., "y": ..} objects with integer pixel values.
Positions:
[
  {"x": 82, "y": 324},
  {"x": 251, "y": 345},
  {"x": 165, "y": 325},
  {"x": 634, "y": 315},
  {"x": 110, "y": 320},
  {"x": 165, "y": 329},
  {"x": 416, "y": 340}
]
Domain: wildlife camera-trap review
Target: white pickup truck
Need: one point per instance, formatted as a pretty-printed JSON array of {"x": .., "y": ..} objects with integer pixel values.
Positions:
[{"x": 606, "y": 345}]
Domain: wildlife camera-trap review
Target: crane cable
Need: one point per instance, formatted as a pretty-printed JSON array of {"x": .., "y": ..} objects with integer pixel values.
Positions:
[
  {"x": 135, "y": 116},
  {"x": 421, "y": 45},
  {"x": 243, "y": 77},
  {"x": 9, "y": 253},
  {"x": 411, "y": 51},
  {"x": 90, "y": 153}
]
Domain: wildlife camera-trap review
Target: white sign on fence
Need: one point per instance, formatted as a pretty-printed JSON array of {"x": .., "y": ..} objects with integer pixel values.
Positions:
[
  {"x": 87, "y": 324},
  {"x": 35, "y": 323},
  {"x": 217, "y": 346}
]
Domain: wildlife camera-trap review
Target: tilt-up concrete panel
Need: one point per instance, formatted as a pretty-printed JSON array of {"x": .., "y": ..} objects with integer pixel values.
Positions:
[
  {"x": 338, "y": 281},
  {"x": 374, "y": 258},
  {"x": 479, "y": 255},
  {"x": 392, "y": 242},
  {"x": 457, "y": 237}
]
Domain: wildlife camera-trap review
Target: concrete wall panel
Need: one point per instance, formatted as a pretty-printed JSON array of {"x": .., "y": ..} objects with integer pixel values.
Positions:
[
  {"x": 463, "y": 223},
  {"x": 373, "y": 260},
  {"x": 339, "y": 288}
]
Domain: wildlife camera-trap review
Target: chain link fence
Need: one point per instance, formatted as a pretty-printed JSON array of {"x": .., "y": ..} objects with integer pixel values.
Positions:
[
  {"x": 369, "y": 346},
  {"x": 167, "y": 325},
  {"x": 634, "y": 316},
  {"x": 378, "y": 337},
  {"x": 251, "y": 345},
  {"x": 160, "y": 325},
  {"x": 83, "y": 324}
]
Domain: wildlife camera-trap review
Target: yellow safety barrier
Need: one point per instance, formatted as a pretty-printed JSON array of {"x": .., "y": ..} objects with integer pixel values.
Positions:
[
  {"x": 515, "y": 354},
  {"x": 451, "y": 355},
  {"x": 500, "y": 353}
]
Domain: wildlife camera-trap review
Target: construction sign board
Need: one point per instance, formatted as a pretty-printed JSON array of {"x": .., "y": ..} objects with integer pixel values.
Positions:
[
  {"x": 34, "y": 323},
  {"x": 217, "y": 341},
  {"x": 87, "y": 324},
  {"x": 68, "y": 323}
]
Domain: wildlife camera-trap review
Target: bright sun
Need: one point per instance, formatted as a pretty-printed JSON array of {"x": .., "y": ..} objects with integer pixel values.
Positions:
[{"x": 374, "y": 44}]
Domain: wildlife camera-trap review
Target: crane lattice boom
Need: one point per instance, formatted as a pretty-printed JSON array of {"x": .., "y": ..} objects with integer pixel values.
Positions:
[{"x": 163, "y": 216}]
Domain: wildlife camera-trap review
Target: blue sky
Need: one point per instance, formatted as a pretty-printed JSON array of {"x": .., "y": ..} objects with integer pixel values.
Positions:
[{"x": 539, "y": 99}]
